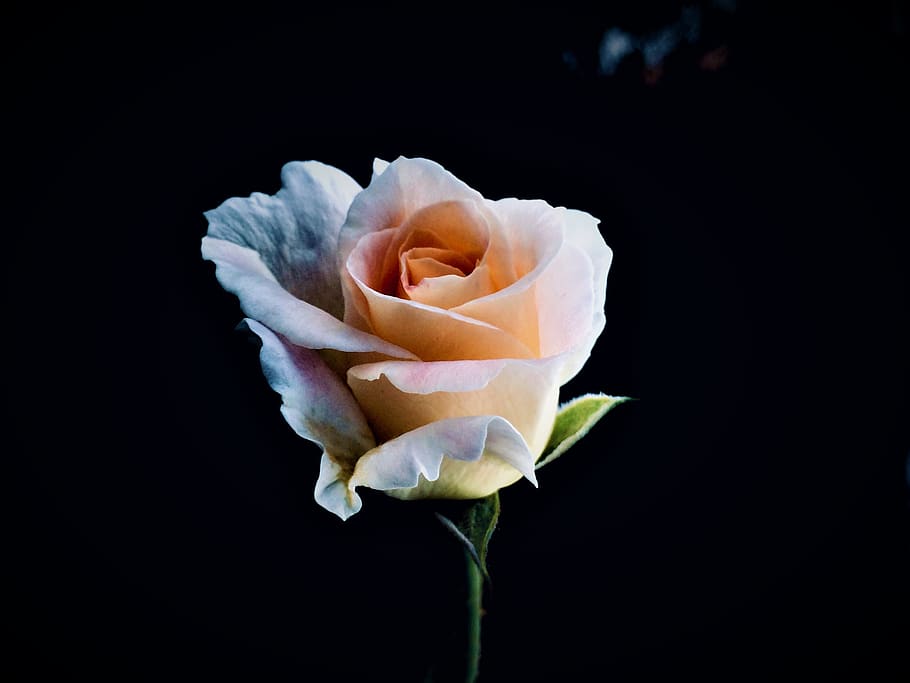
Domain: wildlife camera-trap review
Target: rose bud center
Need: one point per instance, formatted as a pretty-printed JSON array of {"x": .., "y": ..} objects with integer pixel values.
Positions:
[{"x": 437, "y": 254}]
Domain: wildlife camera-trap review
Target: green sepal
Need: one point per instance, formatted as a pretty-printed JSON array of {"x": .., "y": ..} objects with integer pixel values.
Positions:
[
  {"x": 472, "y": 522},
  {"x": 575, "y": 419}
]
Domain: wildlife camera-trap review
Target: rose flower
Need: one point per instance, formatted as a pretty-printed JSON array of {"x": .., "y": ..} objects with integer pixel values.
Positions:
[{"x": 417, "y": 332}]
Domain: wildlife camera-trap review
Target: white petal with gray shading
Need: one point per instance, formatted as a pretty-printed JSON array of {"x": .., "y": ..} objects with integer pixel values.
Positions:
[
  {"x": 295, "y": 231},
  {"x": 242, "y": 272},
  {"x": 319, "y": 407}
]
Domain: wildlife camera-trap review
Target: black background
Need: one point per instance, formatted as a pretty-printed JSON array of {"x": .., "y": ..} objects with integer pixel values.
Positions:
[{"x": 746, "y": 519}]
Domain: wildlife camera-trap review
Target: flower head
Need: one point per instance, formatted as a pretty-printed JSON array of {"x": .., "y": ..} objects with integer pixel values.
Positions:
[{"x": 416, "y": 331}]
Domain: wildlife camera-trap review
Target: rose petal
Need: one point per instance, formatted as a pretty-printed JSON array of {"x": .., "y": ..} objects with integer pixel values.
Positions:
[
  {"x": 429, "y": 332},
  {"x": 448, "y": 291},
  {"x": 525, "y": 238},
  {"x": 559, "y": 289},
  {"x": 560, "y": 301},
  {"x": 241, "y": 272},
  {"x": 458, "y": 227},
  {"x": 332, "y": 490},
  {"x": 464, "y": 231},
  {"x": 393, "y": 195},
  {"x": 295, "y": 232},
  {"x": 564, "y": 297},
  {"x": 375, "y": 265},
  {"x": 320, "y": 408},
  {"x": 399, "y": 396},
  {"x": 582, "y": 232},
  {"x": 466, "y": 457},
  {"x": 428, "y": 378},
  {"x": 420, "y": 263},
  {"x": 379, "y": 166}
]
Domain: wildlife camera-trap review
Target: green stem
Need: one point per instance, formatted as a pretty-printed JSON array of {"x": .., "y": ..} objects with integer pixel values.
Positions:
[
  {"x": 474, "y": 607},
  {"x": 458, "y": 658}
]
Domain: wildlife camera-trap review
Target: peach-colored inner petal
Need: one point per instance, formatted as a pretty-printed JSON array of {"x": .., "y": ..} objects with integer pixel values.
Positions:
[
  {"x": 429, "y": 332},
  {"x": 439, "y": 248},
  {"x": 426, "y": 281},
  {"x": 423, "y": 262},
  {"x": 529, "y": 239},
  {"x": 453, "y": 234},
  {"x": 460, "y": 226},
  {"x": 524, "y": 394}
]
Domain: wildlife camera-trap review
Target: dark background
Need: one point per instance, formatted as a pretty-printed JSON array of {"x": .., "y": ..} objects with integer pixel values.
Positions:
[{"x": 746, "y": 519}]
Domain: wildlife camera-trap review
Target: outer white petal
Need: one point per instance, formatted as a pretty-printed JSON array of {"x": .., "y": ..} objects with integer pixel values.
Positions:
[
  {"x": 332, "y": 490},
  {"x": 564, "y": 295},
  {"x": 482, "y": 453},
  {"x": 583, "y": 233},
  {"x": 379, "y": 165},
  {"x": 295, "y": 232},
  {"x": 319, "y": 407},
  {"x": 241, "y": 271}
]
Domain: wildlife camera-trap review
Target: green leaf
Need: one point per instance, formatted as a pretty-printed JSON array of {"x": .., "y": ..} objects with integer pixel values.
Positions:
[
  {"x": 574, "y": 420},
  {"x": 472, "y": 522}
]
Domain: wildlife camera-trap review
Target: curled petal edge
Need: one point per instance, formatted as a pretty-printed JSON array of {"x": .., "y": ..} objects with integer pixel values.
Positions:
[
  {"x": 295, "y": 231},
  {"x": 401, "y": 463},
  {"x": 318, "y": 407},
  {"x": 242, "y": 272}
]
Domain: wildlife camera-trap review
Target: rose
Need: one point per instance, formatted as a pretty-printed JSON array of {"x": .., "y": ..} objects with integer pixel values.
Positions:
[{"x": 416, "y": 331}]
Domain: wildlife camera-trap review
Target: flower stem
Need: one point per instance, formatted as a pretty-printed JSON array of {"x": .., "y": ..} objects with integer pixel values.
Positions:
[
  {"x": 458, "y": 660},
  {"x": 474, "y": 609}
]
